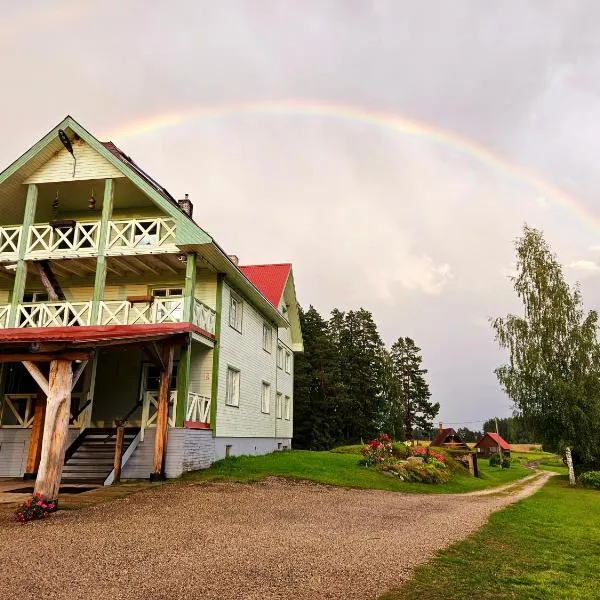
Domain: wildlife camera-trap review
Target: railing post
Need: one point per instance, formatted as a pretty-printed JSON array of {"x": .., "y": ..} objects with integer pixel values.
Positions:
[
  {"x": 100, "y": 278},
  {"x": 189, "y": 288},
  {"x": 21, "y": 270},
  {"x": 119, "y": 450}
]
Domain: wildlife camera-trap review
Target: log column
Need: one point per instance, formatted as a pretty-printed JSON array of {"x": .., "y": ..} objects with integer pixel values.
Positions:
[
  {"x": 162, "y": 416},
  {"x": 56, "y": 429},
  {"x": 35, "y": 441}
]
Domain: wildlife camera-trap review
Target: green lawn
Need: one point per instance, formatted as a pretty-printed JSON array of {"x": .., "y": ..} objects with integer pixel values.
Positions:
[
  {"x": 335, "y": 468},
  {"x": 544, "y": 547}
]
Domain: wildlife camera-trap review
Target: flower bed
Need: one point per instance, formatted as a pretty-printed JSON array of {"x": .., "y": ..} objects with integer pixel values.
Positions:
[
  {"x": 35, "y": 508},
  {"x": 408, "y": 463}
]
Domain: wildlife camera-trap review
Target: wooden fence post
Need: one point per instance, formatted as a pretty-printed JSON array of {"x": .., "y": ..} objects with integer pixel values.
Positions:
[{"x": 119, "y": 450}]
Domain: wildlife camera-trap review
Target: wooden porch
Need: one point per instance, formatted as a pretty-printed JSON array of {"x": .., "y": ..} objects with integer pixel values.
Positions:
[{"x": 68, "y": 399}]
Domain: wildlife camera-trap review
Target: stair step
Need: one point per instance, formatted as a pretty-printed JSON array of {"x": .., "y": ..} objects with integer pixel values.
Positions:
[{"x": 87, "y": 469}]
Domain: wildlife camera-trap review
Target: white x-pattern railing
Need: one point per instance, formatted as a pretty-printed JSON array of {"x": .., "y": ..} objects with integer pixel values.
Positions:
[
  {"x": 204, "y": 316},
  {"x": 198, "y": 408},
  {"x": 4, "y": 315},
  {"x": 160, "y": 310},
  {"x": 140, "y": 236},
  {"x": 17, "y": 410},
  {"x": 129, "y": 236},
  {"x": 53, "y": 314},
  {"x": 150, "y": 410},
  {"x": 112, "y": 312},
  {"x": 9, "y": 240},
  {"x": 81, "y": 239}
]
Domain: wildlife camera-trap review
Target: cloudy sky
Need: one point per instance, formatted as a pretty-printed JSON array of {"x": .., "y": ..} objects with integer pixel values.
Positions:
[{"x": 390, "y": 149}]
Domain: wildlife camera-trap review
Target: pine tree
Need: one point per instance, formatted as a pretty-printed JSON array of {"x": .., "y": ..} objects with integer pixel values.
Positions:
[{"x": 410, "y": 406}]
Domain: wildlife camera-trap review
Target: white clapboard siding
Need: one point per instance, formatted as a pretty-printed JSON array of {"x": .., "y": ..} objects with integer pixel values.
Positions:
[
  {"x": 90, "y": 165},
  {"x": 244, "y": 351}
]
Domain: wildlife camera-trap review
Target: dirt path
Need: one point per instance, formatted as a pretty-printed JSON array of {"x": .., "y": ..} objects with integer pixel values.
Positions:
[{"x": 270, "y": 540}]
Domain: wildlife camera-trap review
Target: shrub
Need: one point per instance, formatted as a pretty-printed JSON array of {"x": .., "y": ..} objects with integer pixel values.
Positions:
[
  {"x": 400, "y": 450},
  {"x": 506, "y": 462},
  {"x": 495, "y": 460},
  {"x": 590, "y": 479},
  {"x": 377, "y": 451},
  {"x": 35, "y": 508}
]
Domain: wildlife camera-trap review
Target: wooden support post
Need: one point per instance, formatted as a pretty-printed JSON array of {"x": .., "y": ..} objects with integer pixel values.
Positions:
[
  {"x": 100, "y": 279},
  {"x": 56, "y": 429},
  {"x": 119, "y": 450},
  {"x": 189, "y": 290},
  {"x": 183, "y": 382},
  {"x": 162, "y": 415},
  {"x": 216, "y": 349},
  {"x": 37, "y": 375},
  {"x": 35, "y": 441},
  {"x": 21, "y": 270}
]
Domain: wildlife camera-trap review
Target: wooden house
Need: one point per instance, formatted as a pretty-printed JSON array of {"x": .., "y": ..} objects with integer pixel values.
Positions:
[
  {"x": 491, "y": 443},
  {"x": 448, "y": 438},
  {"x": 116, "y": 307}
]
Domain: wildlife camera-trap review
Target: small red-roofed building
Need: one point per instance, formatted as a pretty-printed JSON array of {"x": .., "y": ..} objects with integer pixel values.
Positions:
[{"x": 489, "y": 443}]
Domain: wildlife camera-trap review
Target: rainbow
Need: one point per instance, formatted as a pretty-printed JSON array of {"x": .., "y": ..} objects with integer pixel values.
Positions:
[{"x": 389, "y": 121}]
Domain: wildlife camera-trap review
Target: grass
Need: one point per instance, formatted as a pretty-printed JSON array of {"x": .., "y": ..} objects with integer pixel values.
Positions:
[
  {"x": 546, "y": 546},
  {"x": 342, "y": 469}
]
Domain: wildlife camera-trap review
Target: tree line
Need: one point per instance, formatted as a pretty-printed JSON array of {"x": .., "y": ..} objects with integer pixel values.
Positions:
[{"x": 349, "y": 387}]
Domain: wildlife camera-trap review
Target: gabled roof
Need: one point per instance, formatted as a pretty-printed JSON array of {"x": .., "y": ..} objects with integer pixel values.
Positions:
[
  {"x": 269, "y": 279},
  {"x": 190, "y": 236},
  {"x": 276, "y": 284},
  {"x": 444, "y": 434},
  {"x": 496, "y": 438}
]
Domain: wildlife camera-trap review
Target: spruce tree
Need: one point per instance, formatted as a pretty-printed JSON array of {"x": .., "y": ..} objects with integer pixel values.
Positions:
[{"x": 317, "y": 386}]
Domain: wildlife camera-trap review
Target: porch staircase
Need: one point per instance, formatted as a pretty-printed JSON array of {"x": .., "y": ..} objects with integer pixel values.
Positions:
[{"x": 90, "y": 458}]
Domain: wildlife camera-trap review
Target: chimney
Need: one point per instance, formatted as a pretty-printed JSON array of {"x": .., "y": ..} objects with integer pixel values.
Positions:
[
  {"x": 234, "y": 259},
  {"x": 186, "y": 206},
  {"x": 441, "y": 426}
]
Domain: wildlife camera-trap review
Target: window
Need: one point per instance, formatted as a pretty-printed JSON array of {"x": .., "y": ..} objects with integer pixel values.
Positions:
[
  {"x": 233, "y": 387},
  {"x": 278, "y": 405},
  {"x": 280, "y": 357},
  {"x": 267, "y": 338},
  {"x": 265, "y": 398},
  {"x": 235, "y": 313},
  {"x": 288, "y": 362},
  {"x": 286, "y": 407},
  {"x": 168, "y": 311}
]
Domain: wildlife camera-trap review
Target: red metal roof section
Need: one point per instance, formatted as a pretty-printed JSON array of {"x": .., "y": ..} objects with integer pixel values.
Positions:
[
  {"x": 80, "y": 336},
  {"x": 498, "y": 439},
  {"x": 270, "y": 280}
]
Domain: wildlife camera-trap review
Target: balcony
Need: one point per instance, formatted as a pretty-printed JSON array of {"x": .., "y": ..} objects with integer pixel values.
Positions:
[
  {"x": 112, "y": 312},
  {"x": 71, "y": 239}
]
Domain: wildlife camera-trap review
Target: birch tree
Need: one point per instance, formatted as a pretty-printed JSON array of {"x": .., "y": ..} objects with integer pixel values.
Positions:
[{"x": 552, "y": 374}]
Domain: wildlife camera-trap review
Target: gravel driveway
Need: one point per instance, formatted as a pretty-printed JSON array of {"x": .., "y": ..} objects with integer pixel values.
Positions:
[{"x": 273, "y": 539}]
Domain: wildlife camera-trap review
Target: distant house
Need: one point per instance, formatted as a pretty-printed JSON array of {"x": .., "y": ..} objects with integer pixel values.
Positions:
[
  {"x": 488, "y": 444},
  {"x": 448, "y": 438}
]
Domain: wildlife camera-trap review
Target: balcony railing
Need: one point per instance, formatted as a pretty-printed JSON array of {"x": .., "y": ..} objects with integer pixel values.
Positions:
[
  {"x": 140, "y": 236},
  {"x": 16, "y": 410},
  {"x": 112, "y": 312},
  {"x": 66, "y": 240}
]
